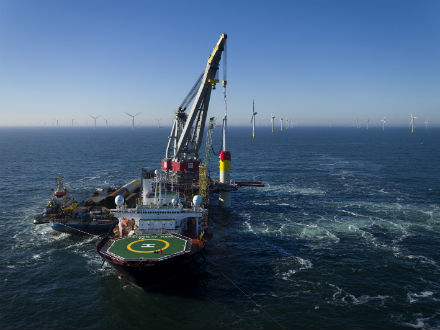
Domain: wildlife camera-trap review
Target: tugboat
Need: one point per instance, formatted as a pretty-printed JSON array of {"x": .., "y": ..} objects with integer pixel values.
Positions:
[
  {"x": 59, "y": 203},
  {"x": 92, "y": 216},
  {"x": 154, "y": 241}
]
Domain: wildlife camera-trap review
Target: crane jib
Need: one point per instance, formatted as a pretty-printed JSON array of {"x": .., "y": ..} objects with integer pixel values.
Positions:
[{"x": 187, "y": 131}]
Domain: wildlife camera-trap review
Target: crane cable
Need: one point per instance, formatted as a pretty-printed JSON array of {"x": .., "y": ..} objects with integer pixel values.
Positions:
[{"x": 225, "y": 82}]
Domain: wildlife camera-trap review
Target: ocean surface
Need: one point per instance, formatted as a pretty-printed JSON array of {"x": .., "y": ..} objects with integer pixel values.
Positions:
[{"x": 345, "y": 234}]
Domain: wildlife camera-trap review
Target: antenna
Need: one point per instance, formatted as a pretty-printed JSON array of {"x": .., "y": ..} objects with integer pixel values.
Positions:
[
  {"x": 253, "y": 119},
  {"x": 132, "y": 119},
  {"x": 272, "y": 118},
  {"x": 412, "y": 122},
  {"x": 94, "y": 118}
]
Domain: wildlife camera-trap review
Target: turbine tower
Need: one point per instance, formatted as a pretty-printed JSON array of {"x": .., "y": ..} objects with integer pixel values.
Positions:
[
  {"x": 106, "y": 122},
  {"x": 94, "y": 118},
  {"x": 272, "y": 118},
  {"x": 412, "y": 123},
  {"x": 253, "y": 119},
  {"x": 281, "y": 119},
  {"x": 426, "y": 124},
  {"x": 72, "y": 122},
  {"x": 368, "y": 122},
  {"x": 132, "y": 119},
  {"x": 383, "y": 121}
]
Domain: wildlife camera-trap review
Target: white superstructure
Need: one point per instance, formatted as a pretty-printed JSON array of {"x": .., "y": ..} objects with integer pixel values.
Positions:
[{"x": 160, "y": 210}]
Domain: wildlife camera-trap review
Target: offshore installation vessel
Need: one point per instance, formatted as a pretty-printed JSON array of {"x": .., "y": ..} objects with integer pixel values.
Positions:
[{"x": 168, "y": 228}]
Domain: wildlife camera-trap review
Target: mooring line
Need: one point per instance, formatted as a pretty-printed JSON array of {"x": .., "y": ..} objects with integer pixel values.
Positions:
[{"x": 261, "y": 308}]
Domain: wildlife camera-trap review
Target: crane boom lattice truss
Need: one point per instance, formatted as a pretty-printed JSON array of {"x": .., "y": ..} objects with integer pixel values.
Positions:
[
  {"x": 182, "y": 153},
  {"x": 187, "y": 131}
]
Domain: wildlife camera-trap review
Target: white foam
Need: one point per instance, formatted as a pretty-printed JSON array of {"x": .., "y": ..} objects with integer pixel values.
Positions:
[
  {"x": 420, "y": 322},
  {"x": 351, "y": 213},
  {"x": 305, "y": 264},
  {"x": 344, "y": 297},
  {"x": 422, "y": 259},
  {"x": 413, "y": 297},
  {"x": 294, "y": 264},
  {"x": 285, "y": 276},
  {"x": 248, "y": 226}
]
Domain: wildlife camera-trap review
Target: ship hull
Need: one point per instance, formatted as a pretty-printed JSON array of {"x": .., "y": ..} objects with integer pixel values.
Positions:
[
  {"x": 150, "y": 274},
  {"x": 155, "y": 275},
  {"x": 41, "y": 219},
  {"x": 82, "y": 228}
]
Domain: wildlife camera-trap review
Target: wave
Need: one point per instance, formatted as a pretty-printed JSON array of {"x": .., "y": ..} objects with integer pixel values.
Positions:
[
  {"x": 292, "y": 189},
  {"x": 286, "y": 267},
  {"x": 423, "y": 322},
  {"x": 414, "y": 297},
  {"x": 343, "y": 297}
]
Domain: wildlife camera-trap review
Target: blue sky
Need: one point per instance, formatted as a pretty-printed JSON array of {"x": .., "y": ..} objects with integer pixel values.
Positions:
[{"x": 315, "y": 62}]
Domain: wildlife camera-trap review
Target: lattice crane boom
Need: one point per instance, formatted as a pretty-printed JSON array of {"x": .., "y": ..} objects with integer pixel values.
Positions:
[{"x": 187, "y": 130}]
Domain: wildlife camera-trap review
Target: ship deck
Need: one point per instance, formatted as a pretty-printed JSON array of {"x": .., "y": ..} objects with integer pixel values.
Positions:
[{"x": 148, "y": 247}]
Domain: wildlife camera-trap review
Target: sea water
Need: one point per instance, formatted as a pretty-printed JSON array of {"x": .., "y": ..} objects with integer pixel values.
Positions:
[{"x": 345, "y": 234}]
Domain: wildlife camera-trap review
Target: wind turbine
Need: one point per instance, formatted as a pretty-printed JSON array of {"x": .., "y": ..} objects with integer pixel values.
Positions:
[
  {"x": 272, "y": 118},
  {"x": 72, "y": 122},
  {"x": 158, "y": 123},
  {"x": 412, "y": 123},
  {"x": 94, "y": 118},
  {"x": 368, "y": 122},
  {"x": 383, "y": 121},
  {"x": 253, "y": 119},
  {"x": 426, "y": 123},
  {"x": 106, "y": 122},
  {"x": 281, "y": 119},
  {"x": 132, "y": 119}
]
